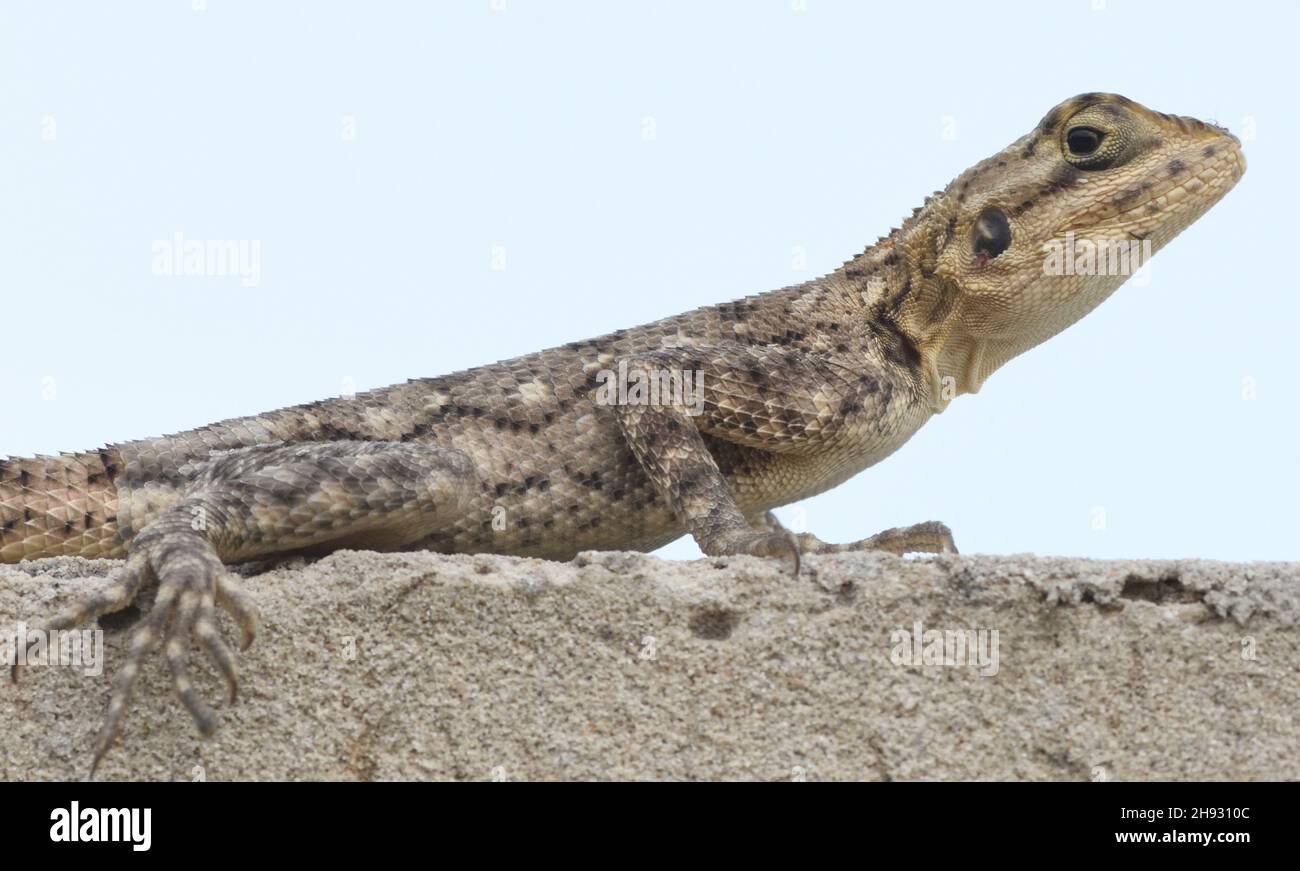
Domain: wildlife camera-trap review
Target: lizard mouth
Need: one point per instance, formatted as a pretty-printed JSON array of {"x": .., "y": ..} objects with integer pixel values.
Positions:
[{"x": 1171, "y": 196}]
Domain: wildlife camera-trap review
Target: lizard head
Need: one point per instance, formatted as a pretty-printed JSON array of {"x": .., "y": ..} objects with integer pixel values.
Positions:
[{"x": 1025, "y": 243}]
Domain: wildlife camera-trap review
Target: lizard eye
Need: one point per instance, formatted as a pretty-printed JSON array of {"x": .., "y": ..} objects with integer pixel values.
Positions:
[
  {"x": 1083, "y": 141},
  {"x": 1104, "y": 145},
  {"x": 991, "y": 234}
]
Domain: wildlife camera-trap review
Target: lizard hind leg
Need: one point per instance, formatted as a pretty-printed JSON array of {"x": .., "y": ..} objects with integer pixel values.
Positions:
[{"x": 253, "y": 503}]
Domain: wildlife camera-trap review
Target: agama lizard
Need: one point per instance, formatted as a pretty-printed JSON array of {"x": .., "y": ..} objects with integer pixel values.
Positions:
[{"x": 766, "y": 400}]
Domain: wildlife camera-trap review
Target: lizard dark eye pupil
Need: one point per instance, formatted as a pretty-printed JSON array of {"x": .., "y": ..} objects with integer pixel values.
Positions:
[
  {"x": 991, "y": 234},
  {"x": 1083, "y": 141}
]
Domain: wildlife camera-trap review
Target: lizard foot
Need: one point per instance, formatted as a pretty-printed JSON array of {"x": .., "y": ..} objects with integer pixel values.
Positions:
[
  {"x": 779, "y": 543},
  {"x": 192, "y": 583},
  {"x": 928, "y": 537}
]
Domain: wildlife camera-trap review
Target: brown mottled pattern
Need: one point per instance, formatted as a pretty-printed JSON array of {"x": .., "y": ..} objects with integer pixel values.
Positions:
[{"x": 802, "y": 388}]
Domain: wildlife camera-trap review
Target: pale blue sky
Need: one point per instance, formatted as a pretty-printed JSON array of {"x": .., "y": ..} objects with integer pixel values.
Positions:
[{"x": 628, "y": 161}]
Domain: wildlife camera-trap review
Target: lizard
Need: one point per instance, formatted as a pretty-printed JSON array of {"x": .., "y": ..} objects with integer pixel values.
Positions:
[{"x": 770, "y": 399}]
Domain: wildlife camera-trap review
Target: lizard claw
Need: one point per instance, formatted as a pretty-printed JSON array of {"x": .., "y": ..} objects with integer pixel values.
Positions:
[{"x": 231, "y": 598}]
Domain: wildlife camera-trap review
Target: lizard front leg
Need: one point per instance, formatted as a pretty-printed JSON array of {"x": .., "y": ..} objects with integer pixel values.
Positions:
[
  {"x": 257, "y": 502},
  {"x": 667, "y": 444},
  {"x": 759, "y": 399}
]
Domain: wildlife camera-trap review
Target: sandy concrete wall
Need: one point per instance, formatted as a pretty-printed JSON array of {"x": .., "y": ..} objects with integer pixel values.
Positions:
[{"x": 619, "y": 665}]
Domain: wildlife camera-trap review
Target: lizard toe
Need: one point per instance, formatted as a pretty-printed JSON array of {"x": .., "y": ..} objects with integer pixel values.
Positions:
[
  {"x": 235, "y": 601},
  {"x": 928, "y": 537}
]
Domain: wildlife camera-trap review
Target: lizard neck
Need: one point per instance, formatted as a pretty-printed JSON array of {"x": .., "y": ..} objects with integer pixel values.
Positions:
[
  {"x": 903, "y": 298},
  {"x": 951, "y": 346}
]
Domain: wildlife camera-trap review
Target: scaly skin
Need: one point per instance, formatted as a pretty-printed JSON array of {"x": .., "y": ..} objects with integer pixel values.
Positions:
[{"x": 802, "y": 388}]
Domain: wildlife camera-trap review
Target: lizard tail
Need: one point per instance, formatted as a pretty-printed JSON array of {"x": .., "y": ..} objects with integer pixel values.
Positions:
[{"x": 59, "y": 506}]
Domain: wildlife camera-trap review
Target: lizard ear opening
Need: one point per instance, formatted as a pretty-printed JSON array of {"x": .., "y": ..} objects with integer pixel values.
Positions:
[{"x": 991, "y": 234}]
